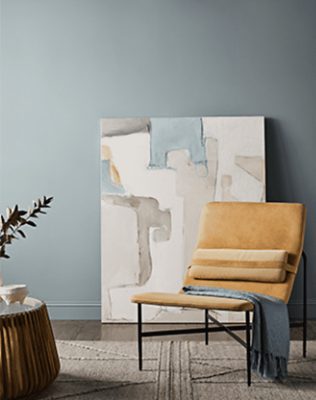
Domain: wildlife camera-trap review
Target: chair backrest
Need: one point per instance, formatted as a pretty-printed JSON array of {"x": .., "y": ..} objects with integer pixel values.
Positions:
[{"x": 244, "y": 225}]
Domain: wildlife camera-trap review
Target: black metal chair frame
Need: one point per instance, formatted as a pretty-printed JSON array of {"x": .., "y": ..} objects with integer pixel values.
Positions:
[{"x": 224, "y": 328}]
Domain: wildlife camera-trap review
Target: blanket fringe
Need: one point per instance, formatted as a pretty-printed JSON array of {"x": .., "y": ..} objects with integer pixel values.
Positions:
[{"x": 269, "y": 366}]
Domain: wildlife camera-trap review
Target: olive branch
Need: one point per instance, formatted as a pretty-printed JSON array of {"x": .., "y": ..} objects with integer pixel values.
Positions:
[{"x": 11, "y": 226}]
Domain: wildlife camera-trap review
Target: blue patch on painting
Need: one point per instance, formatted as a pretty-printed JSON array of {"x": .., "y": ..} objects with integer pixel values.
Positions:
[
  {"x": 169, "y": 134},
  {"x": 108, "y": 186}
]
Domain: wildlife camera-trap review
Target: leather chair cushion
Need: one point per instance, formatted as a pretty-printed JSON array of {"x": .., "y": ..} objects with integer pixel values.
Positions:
[{"x": 240, "y": 264}]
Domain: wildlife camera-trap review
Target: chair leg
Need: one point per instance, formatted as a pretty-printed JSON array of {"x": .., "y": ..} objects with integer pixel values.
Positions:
[
  {"x": 206, "y": 327},
  {"x": 248, "y": 347},
  {"x": 139, "y": 326},
  {"x": 304, "y": 304}
]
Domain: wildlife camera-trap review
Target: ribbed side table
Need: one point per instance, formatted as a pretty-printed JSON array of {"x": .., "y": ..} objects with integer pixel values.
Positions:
[{"x": 28, "y": 354}]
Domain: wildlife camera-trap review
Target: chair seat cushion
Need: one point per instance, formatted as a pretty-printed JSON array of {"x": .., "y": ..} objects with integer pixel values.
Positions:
[
  {"x": 240, "y": 264},
  {"x": 184, "y": 300}
]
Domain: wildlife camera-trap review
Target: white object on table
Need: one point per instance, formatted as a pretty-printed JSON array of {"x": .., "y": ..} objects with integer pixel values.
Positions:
[{"x": 13, "y": 293}]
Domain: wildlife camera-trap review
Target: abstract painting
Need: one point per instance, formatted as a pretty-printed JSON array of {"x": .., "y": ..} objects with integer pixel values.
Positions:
[{"x": 156, "y": 174}]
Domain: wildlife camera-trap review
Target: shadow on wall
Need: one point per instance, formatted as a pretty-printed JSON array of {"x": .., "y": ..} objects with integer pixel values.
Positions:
[
  {"x": 280, "y": 188},
  {"x": 279, "y": 182}
]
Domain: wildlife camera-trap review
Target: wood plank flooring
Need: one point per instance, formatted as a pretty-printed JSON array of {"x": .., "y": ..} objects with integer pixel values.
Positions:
[{"x": 94, "y": 330}]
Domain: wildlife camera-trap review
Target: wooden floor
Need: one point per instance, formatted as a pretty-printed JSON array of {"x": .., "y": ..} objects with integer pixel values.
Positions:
[{"x": 94, "y": 330}]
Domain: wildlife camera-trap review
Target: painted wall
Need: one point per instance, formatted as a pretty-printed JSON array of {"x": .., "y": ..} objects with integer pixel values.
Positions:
[{"x": 67, "y": 63}]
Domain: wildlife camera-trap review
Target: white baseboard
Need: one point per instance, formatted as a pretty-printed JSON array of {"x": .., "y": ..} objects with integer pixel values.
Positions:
[
  {"x": 77, "y": 311},
  {"x": 92, "y": 310}
]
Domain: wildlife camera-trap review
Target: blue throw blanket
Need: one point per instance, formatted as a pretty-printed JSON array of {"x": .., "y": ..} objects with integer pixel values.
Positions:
[{"x": 271, "y": 329}]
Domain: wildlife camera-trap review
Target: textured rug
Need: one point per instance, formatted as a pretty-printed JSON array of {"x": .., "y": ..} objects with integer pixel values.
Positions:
[{"x": 173, "y": 371}]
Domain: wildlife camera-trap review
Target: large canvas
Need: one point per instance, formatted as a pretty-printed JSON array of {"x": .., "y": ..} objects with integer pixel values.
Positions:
[{"x": 156, "y": 175}]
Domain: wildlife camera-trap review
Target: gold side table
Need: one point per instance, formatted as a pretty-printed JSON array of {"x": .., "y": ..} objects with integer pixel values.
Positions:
[{"x": 28, "y": 356}]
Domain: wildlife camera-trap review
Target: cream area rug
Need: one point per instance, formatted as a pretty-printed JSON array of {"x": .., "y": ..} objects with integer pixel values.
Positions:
[{"x": 178, "y": 370}]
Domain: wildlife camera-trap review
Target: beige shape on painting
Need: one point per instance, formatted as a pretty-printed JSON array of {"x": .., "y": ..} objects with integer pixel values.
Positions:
[
  {"x": 196, "y": 184},
  {"x": 226, "y": 184},
  {"x": 253, "y": 165}
]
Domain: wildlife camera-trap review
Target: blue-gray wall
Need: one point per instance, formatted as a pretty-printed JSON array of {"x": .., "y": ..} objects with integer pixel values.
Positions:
[{"x": 67, "y": 63}]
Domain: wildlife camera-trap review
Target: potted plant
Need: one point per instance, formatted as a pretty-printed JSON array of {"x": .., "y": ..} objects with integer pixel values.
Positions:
[{"x": 11, "y": 228}]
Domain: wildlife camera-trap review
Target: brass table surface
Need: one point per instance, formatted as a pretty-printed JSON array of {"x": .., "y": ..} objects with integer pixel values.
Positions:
[{"x": 28, "y": 355}]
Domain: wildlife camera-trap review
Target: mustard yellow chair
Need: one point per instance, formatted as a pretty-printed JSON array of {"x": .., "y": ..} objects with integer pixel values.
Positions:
[{"x": 240, "y": 230}]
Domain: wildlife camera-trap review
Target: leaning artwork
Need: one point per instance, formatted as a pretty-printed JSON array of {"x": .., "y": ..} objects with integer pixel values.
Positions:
[{"x": 156, "y": 174}]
